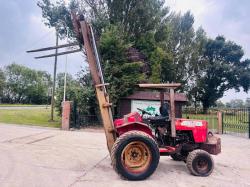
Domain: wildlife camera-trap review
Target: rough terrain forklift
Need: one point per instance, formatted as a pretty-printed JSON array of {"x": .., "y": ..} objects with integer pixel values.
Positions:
[{"x": 134, "y": 146}]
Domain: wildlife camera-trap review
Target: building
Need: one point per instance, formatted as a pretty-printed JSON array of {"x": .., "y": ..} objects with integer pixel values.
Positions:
[{"x": 149, "y": 101}]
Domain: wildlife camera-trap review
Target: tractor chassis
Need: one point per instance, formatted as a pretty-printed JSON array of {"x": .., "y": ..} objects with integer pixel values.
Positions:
[{"x": 133, "y": 148}]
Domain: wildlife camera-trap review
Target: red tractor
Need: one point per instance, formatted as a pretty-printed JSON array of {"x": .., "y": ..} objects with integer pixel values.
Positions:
[
  {"x": 135, "y": 154},
  {"x": 135, "y": 147}
]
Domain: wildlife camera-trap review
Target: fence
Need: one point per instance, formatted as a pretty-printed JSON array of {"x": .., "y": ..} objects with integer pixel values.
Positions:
[
  {"x": 86, "y": 121},
  {"x": 236, "y": 122},
  {"x": 210, "y": 117},
  {"x": 78, "y": 119}
]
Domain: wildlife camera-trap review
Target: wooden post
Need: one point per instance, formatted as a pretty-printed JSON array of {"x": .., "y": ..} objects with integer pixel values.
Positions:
[
  {"x": 172, "y": 113},
  {"x": 54, "y": 82},
  {"x": 162, "y": 97},
  {"x": 66, "y": 115},
  {"x": 219, "y": 127}
]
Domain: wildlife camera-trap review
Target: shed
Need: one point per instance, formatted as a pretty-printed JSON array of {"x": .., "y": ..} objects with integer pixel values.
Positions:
[{"x": 149, "y": 101}]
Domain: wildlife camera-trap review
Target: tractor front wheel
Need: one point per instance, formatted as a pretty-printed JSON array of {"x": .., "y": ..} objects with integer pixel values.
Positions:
[
  {"x": 135, "y": 155},
  {"x": 200, "y": 163}
]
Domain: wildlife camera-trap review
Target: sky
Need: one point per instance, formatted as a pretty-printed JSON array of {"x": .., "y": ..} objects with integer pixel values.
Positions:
[
  {"x": 220, "y": 17},
  {"x": 22, "y": 29}
]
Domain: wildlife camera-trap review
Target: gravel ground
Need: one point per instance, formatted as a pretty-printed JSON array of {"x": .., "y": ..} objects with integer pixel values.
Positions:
[{"x": 32, "y": 156}]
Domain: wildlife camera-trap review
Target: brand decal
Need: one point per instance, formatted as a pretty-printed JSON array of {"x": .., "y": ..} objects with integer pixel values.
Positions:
[{"x": 191, "y": 123}]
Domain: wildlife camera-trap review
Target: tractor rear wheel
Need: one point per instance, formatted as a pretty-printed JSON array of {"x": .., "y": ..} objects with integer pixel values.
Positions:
[
  {"x": 200, "y": 163},
  {"x": 135, "y": 155}
]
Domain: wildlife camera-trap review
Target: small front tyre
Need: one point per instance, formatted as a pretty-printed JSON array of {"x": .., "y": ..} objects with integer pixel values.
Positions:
[
  {"x": 200, "y": 163},
  {"x": 135, "y": 155}
]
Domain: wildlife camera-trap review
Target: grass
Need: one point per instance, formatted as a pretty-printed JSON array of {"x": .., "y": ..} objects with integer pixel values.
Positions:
[
  {"x": 24, "y": 105},
  {"x": 237, "y": 124},
  {"x": 30, "y": 116},
  {"x": 210, "y": 118}
]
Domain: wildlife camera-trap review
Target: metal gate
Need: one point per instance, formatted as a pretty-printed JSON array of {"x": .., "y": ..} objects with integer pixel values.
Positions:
[
  {"x": 236, "y": 122},
  {"x": 79, "y": 119},
  {"x": 211, "y": 117}
]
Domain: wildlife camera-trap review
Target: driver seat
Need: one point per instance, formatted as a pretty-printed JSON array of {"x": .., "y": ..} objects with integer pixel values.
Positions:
[{"x": 163, "y": 118}]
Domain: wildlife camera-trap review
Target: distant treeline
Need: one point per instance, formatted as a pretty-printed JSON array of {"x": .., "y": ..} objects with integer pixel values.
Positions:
[
  {"x": 20, "y": 84},
  {"x": 234, "y": 103}
]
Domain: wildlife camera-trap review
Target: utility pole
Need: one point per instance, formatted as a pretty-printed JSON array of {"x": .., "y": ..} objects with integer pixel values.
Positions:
[
  {"x": 56, "y": 54},
  {"x": 54, "y": 82},
  {"x": 65, "y": 79},
  {"x": 65, "y": 73}
]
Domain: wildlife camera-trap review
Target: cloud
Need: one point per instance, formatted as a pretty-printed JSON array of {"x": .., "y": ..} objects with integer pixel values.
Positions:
[
  {"x": 24, "y": 30},
  {"x": 225, "y": 17},
  {"x": 198, "y": 8}
]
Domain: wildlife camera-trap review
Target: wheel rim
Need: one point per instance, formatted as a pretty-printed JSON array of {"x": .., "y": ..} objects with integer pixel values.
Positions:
[
  {"x": 136, "y": 157},
  {"x": 202, "y": 165}
]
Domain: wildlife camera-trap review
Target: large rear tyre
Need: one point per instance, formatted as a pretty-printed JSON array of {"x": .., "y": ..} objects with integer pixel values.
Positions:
[
  {"x": 200, "y": 163},
  {"x": 135, "y": 155}
]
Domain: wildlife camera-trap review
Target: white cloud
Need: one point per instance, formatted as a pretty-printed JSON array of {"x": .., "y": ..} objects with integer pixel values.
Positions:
[
  {"x": 222, "y": 17},
  {"x": 225, "y": 17},
  {"x": 232, "y": 94},
  {"x": 36, "y": 22},
  {"x": 198, "y": 8}
]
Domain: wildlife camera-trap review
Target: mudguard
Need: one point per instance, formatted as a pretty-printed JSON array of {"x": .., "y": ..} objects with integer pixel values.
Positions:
[{"x": 129, "y": 126}]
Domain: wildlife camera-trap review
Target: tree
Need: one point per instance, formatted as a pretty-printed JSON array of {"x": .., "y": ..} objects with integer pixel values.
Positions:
[
  {"x": 118, "y": 25},
  {"x": 118, "y": 71},
  {"x": 219, "y": 104},
  {"x": 236, "y": 103},
  {"x": 2, "y": 83},
  {"x": 78, "y": 90},
  {"x": 136, "y": 17},
  {"x": 157, "y": 59},
  {"x": 196, "y": 66},
  {"x": 244, "y": 72},
  {"x": 172, "y": 50},
  {"x": 247, "y": 102},
  {"x": 222, "y": 70},
  {"x": 58, "y": 16},
  {"x": 24, "y": 85},
  {"x": 176, "y": 36}
]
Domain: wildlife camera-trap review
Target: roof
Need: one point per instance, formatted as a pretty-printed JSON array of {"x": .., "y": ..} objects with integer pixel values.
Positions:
[
  {"x": 161, "y": 86},
  {"x": 155, "y": 96}
]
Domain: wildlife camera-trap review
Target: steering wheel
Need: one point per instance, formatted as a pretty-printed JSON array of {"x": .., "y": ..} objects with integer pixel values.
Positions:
[{"x": 144, "y": 111}]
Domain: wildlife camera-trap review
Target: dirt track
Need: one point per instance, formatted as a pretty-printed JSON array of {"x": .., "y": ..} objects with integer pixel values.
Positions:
[{"x": 32, "y": 156}]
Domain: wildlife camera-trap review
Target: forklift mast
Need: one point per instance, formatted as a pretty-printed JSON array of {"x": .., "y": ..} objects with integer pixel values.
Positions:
[
  {"x": 134, "y": 149},
  {"x": 85, "y": 34}
]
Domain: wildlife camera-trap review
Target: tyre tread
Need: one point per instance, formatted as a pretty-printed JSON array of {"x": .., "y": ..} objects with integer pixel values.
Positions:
[
  {"x": 122, "y": 138},
  {"x": 191, "y": 157}
]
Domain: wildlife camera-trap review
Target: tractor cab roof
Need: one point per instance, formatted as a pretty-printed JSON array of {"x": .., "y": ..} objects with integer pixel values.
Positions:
[{"x": 160, "y": 86}]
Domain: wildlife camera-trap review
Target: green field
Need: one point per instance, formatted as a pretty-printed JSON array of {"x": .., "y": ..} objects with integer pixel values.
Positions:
[
  {"x": 210, "y": 118},
  {"x": 237, "y": 122},
  {"x": 11, "y": 105},
  {"x": 29, "y": 116}
]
